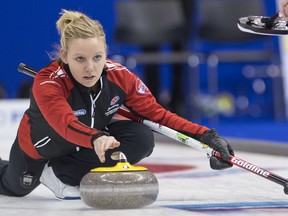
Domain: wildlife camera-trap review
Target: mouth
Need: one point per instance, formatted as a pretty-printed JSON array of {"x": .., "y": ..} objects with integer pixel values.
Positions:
[{"x": 88, "y": 77}]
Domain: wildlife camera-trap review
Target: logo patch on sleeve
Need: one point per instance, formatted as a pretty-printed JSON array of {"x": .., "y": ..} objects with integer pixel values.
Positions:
[
  {"x": 141, "y": 87},
  {"x": 114, "y": 100},
  {"x": 80, "y": 112}
]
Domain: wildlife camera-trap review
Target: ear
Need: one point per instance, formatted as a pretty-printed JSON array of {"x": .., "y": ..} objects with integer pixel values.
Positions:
[{"x": 63, "y": 56}]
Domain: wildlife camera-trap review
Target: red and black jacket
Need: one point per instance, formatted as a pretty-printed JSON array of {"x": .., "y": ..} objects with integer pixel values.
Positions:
[{"x": 63, "y": 113}]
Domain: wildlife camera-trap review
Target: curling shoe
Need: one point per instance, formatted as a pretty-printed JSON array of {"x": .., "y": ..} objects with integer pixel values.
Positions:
[{"x": 62, "y": 191}]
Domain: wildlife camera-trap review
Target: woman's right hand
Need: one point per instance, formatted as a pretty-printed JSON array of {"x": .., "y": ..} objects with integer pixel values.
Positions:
[{"x": 102, "y": 144}]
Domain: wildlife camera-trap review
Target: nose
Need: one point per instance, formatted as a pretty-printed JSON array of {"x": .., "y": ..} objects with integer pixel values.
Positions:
[{"x": 89, "y": 66}]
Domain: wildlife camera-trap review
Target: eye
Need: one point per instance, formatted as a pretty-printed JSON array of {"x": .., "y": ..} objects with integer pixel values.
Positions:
[
  {"x": 98, "y": 57},
  {"x": 79, "y": 59}
]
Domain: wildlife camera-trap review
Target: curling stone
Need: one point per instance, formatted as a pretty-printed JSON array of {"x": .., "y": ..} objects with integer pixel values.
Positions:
[{"x": 123, "y": 186}]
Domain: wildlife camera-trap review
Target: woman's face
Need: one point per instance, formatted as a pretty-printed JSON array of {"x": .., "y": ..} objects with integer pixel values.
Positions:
[{"x": 86, "y": 59}]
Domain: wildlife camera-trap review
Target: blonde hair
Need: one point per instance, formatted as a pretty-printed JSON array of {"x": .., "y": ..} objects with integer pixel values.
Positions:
[{"x": 73, "y": 25}]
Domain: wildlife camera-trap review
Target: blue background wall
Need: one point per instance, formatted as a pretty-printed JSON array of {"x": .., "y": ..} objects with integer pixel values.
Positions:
[{"x": 28, "y": 32}]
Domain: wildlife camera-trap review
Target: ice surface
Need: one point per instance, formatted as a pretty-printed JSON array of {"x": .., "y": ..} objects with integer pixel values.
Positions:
[{"x": 194, "y": 191}]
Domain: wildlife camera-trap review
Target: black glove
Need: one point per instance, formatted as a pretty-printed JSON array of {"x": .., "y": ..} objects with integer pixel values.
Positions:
[{"x": 213, "y": 140}]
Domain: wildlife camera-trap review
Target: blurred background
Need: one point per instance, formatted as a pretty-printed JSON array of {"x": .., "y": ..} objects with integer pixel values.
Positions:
[{"x": 190, "y": 53}]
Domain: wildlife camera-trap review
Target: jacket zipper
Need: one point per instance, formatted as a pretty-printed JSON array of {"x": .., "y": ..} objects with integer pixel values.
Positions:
[{"x": 93, "y": 105}]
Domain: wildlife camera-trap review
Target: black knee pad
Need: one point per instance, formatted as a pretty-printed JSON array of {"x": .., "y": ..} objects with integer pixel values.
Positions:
[
  {"x": 136, "y": 139},
  {"x": 146, "y": 141}
]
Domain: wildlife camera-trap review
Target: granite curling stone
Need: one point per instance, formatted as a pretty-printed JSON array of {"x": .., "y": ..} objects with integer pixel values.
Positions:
[{"x": 123, "y": 186}]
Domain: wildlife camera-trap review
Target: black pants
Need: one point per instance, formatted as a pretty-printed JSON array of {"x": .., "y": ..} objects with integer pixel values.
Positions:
[
  {"x": 21, "y": 174},
  {"x": 136, "y": 142}
]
